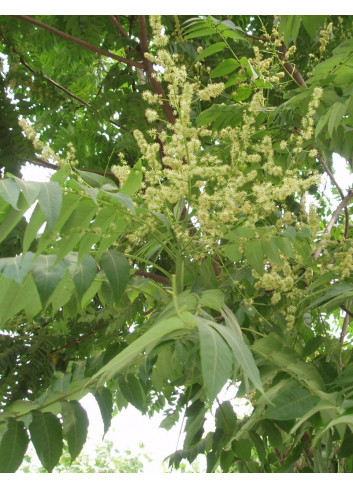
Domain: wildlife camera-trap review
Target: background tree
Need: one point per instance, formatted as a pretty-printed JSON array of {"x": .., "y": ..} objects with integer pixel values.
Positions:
[
  {"x": 107, "y": 460},
  {"x": 187, "y": 241}
]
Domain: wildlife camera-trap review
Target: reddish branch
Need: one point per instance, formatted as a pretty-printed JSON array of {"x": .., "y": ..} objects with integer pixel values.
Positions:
[
  {"x": 117, "y": 24},
  {"x": 80, "y": 42},
  {"x": 345, "y": 321},
  {"x": 290, "y": 69},
  {"x": 81, "y": 338},
  {"x": 154, "y": 276}
]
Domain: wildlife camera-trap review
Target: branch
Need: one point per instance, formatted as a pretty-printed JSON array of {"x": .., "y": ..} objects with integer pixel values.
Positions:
[
  {"x": 290, "y": 69},
  {"x": 79, "y": 339},
  {"x": 345, "y": 321},
  {"x": 117, "y": 24},
  {"x": 148, "y": 66},
  {"x": 334, "y": 182},
  {"x": 46, "y": 164},
  {"x": 333, "y": 219},
  {"x": 154, "y": 276},
  {"x": 78, "y": 41}
]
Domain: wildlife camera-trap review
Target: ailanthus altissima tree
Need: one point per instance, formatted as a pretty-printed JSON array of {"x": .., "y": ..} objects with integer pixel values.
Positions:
[{"x": 184, "y": 240}]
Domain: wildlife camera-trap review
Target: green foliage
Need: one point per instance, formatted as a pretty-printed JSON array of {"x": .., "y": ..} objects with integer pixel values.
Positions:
[{"x": 172, "y": 252}]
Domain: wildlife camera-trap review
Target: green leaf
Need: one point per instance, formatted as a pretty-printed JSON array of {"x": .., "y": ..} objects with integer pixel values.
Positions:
[
  {"x": 242, "y": 354},
  {"x": 232, "y": 252},
  {"x": 123, "y": 199},
  {"x": 214, "y": 48},
  {"x": 337, "y": 111},
  {"x": 207, "y": 31},
  {"x": 75, "y": 424},
  {"x": 47, "y": 276},
  {"x": 30, "y": 190},
  {"x": 105, "y": 402},
  {"x": 13, "y": 446},
  {"x": 36, "y": 221},
  {"x": 94, "y": 179},
  {"x": 9, "y": 191},
  {"x": 151, "y": 337},
  {"x": 216, "y": 359},
  {"x": 225, "y": 67},
  {"x": 46, "y": 436},
  {"x": 82, "y": 273},
  {"x": 134, "y": 180},
  {"x": 15, "y": 297},
  {"x": 117, "y": 269},
  {"x": 255, "y": 255},
  {"x": 132, "y": 391},
  {"x": 12, "y": 218},
  {"x": 284, "y": 245},
  {"x": 226, "y": 418},
  {"x": 270, "y": 249},
  {"x": 16, "y": 267},
  {"x": 312, "y": 23},
  {"x": 291, "y": 403},
  {"x": 50, "y": 200},
  {"x": 212, "y": 298},
  {"x": 242, "y": 449}
]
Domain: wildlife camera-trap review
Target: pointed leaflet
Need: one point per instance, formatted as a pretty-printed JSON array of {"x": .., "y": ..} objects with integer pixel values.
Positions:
[
  {"x": 30, "y": 190},
  {"x": 134, "y": 180},
  {"x": 36, "y": 221},
  {"x": 117, "y": 269},
  {"x": 151, "y": 337},
  {"x": 50, "y": 200},
  {"x": 214, "y": 48},
  {"x": 270, "y": 249},
  {"x": 46, "y": 276},
  {"x": 132, "y": 391},
  {"x": 12, "y": 218},
  {"x": 46, "y": 436},
  {"x": 16, "y": 267},
  {"x": 13, "y": 446},
  {"x": 225, "y": 67},
  {"x": 9, "y": 191},
  {"x": 123, "y": 199},
  {"x": 242, "y": 354},
  {"x": 82, "y": 273},
  {"x": 216, "y": 359},
  {"x": 105, "y": 402},
  {"x": 94, "y": 179},
  {"x": 75, "y": 423},
  {"x": 255, "y": 255},
  {"x": 15, "y": 297},
  {"x": 291, "y": 402}
]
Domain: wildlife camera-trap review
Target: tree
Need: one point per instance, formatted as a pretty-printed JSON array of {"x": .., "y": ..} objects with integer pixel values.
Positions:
[
  {"x": 187, "y": 242},
  {"x": 107, "y": 460}
]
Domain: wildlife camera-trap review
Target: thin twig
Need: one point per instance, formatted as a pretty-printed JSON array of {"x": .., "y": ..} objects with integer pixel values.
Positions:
[
  {"x": 344, "y": 308},
  {"x": 117, "y": 24},
  {"x": 333, "y": 219},
  {"x": 154, "y": 276},
  {"x": 78, "y": 41},
  {"x": 340, "y": 191},
  {"x": 345, "y": 322},
  {"x": 290, "y": 69},
  {"x": 79, "y": 339}
]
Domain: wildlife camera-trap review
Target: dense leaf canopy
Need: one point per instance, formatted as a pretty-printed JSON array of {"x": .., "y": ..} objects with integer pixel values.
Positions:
[{"x": 184, "y": 241}]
